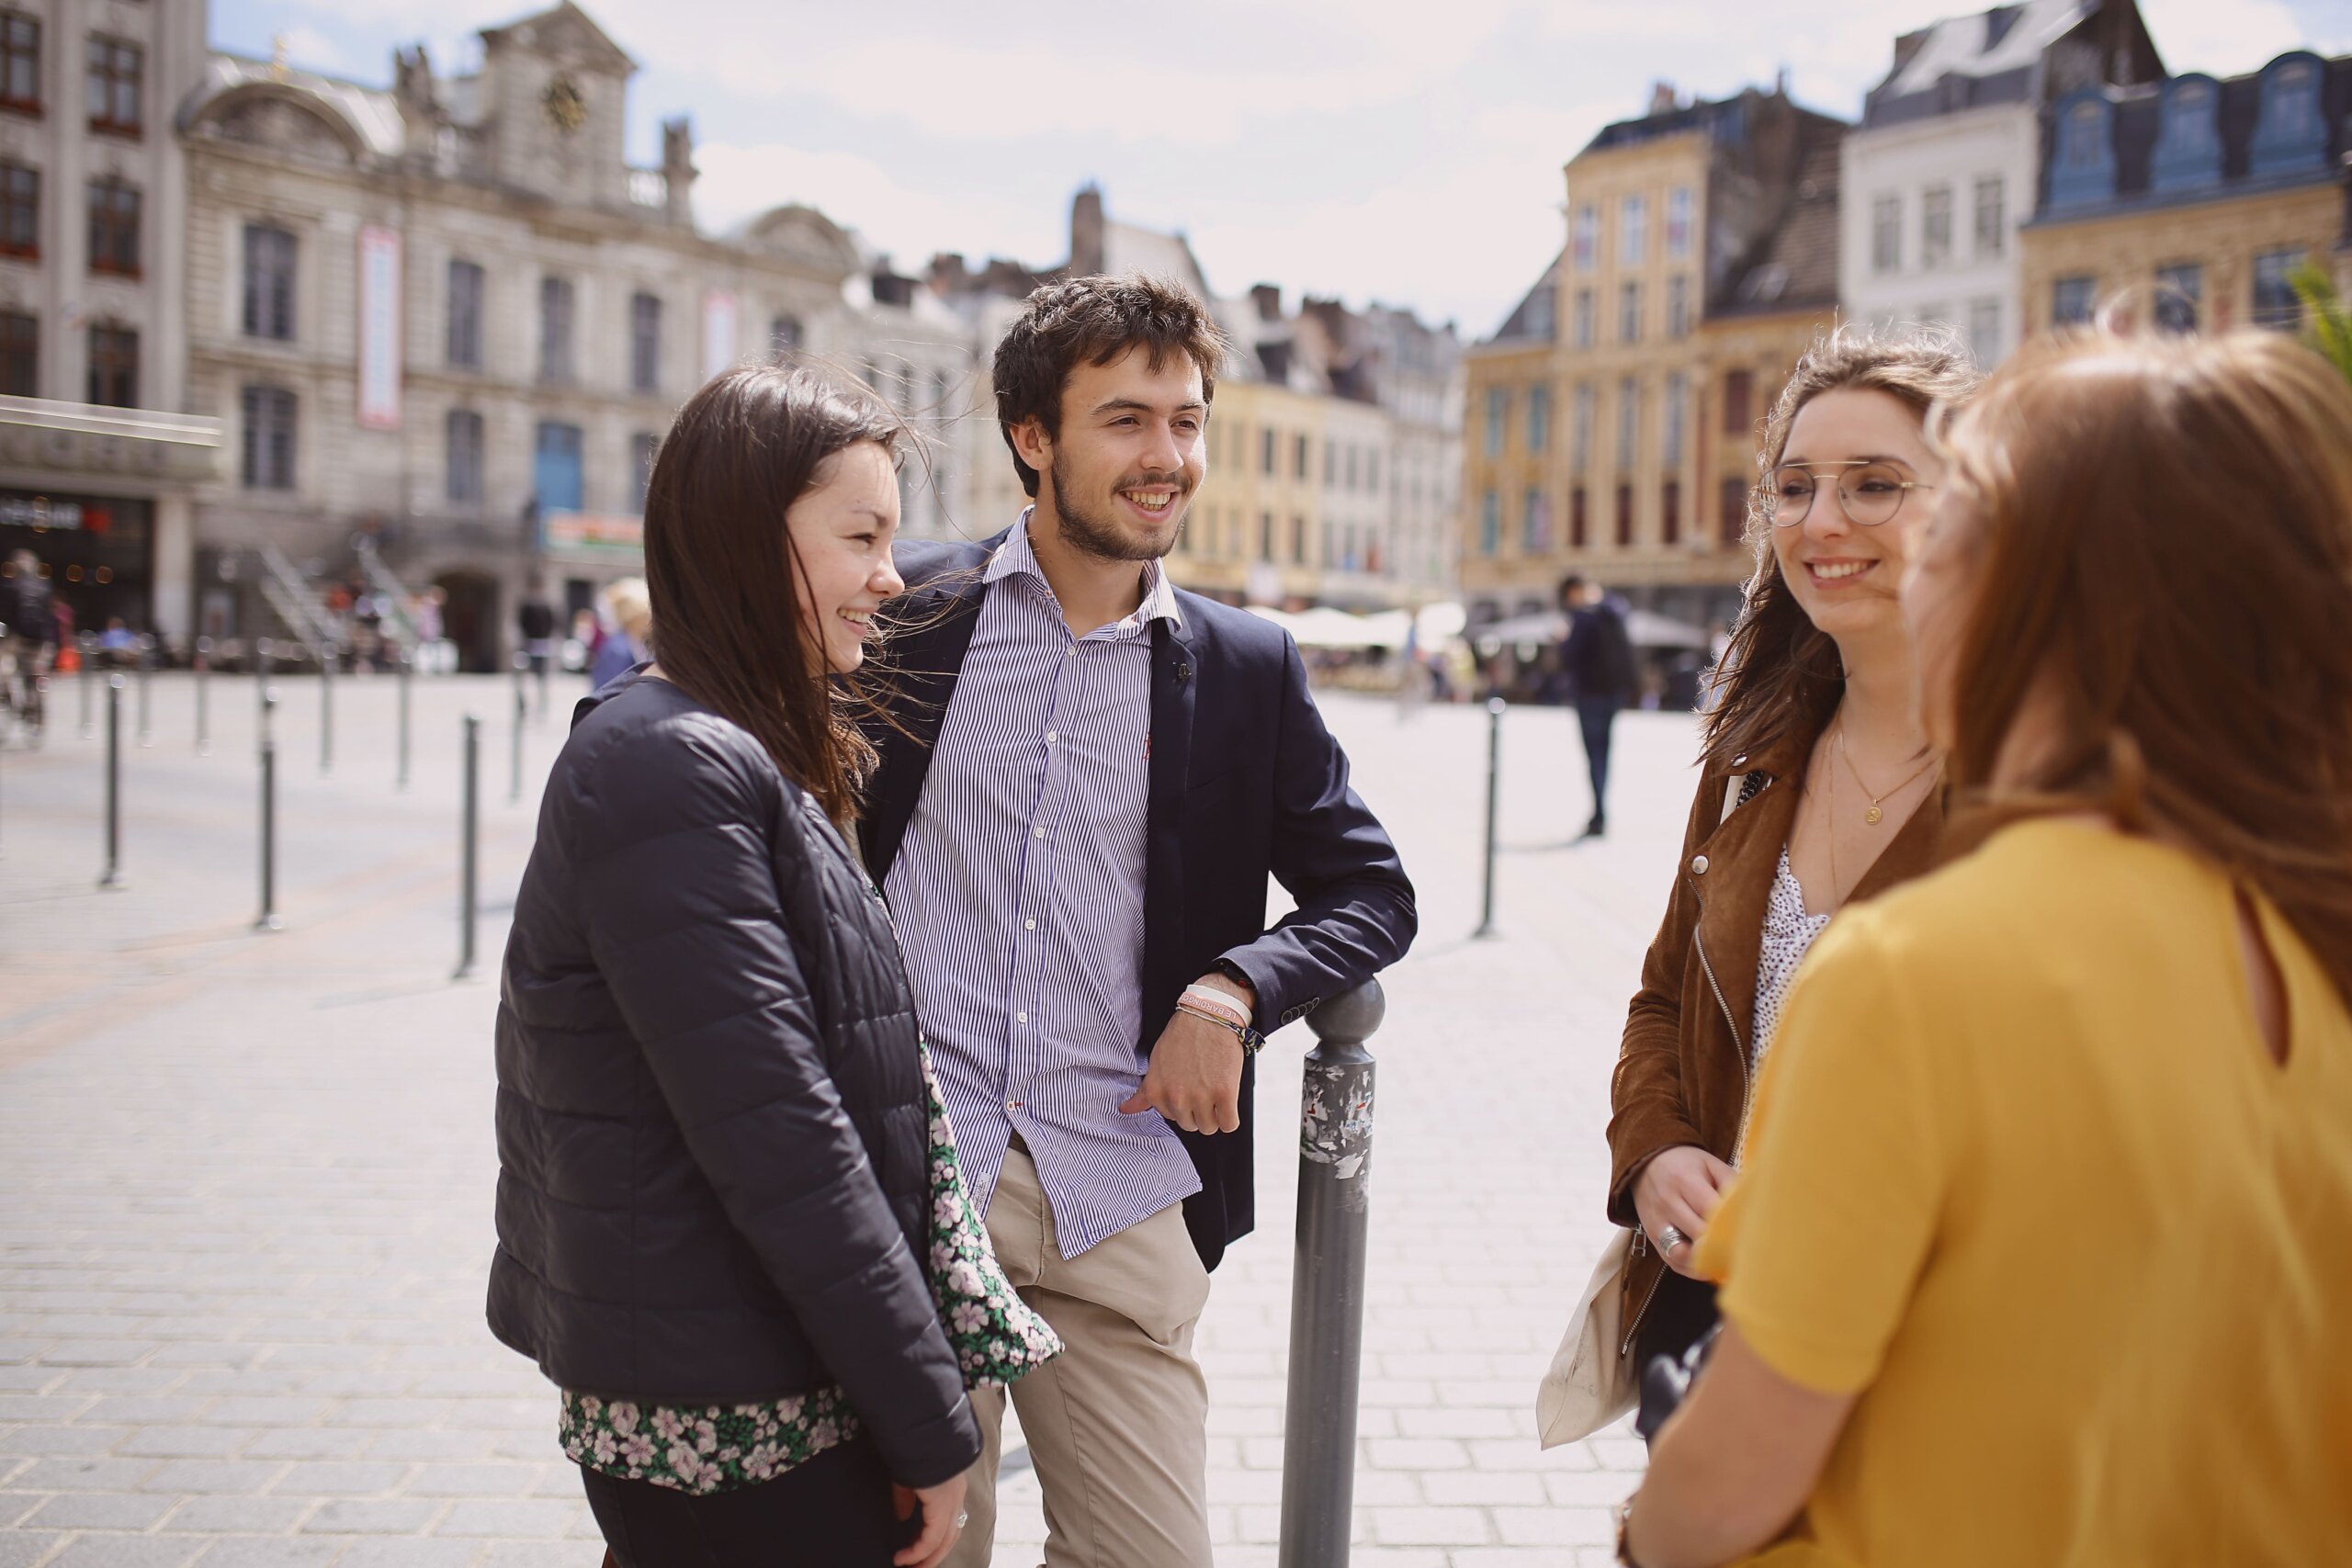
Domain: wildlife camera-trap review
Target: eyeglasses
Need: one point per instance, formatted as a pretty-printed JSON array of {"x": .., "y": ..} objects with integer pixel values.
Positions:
[{"x": 1869, "y": 493}]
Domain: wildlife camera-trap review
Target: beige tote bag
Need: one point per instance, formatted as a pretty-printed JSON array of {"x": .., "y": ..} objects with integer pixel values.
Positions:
[{"x": 1591, "y": 1382}]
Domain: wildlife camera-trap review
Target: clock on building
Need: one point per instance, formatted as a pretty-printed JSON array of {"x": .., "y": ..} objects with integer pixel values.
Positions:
[{"x": 566, "y": 109}]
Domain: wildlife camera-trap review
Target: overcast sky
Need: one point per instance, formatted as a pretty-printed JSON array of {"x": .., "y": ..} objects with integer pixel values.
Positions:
[{"x": 1391, "y": 149}]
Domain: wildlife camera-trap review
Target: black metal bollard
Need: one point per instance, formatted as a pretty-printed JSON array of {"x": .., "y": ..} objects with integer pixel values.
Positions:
[
  {"x": 263, "y": 652},
  {"x": 469, "y": 850},
  {"x": 406, "y": 668},
  {"x": 146, "y": 673},
  {"x": 268, "y": 920},
  {"x": 89, "y": 675},
  {"x": 1326, "y": 1281},
  {"x": 326, "y": 708},
  {"x": 113, "y": 877},
  {"x": 1495, "y": 706},
  {"x": 514, "y": 773},
  {"x": 203, "y": 697}
]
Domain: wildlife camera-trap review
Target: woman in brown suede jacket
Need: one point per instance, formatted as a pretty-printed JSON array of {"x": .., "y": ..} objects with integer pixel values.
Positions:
[{"x": 1817, "y": 788}]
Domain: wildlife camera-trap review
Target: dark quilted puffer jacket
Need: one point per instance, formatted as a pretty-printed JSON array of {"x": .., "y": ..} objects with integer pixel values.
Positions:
[{"x": 712, "y": 1129}]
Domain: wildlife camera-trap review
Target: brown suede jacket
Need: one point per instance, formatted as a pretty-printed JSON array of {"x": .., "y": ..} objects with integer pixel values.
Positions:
[{"x": 1683, "y": 1072}]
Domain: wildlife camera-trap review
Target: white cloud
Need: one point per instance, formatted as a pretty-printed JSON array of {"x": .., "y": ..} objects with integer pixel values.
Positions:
[
  {"x": 739, "y": 182},
  {"x": 2228, "y": 41},
  {"x": 307, "y": 46}
]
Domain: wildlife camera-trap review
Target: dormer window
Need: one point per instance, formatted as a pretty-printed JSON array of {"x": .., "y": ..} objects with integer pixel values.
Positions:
[
  {"x": 2291, "y": 135},
  {"x": 2189, "y": 144},
  {"x": 2082, "y": 173}
]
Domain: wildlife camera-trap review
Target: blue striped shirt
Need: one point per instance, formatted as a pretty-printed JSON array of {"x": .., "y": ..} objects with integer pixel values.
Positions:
[{"x": 1019, "y": 898}]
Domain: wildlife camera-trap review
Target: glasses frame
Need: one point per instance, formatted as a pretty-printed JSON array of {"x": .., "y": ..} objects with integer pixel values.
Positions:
[{"x": 1772, "y": 513}]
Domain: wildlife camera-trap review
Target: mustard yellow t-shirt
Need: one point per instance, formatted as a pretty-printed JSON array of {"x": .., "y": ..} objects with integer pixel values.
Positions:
[{"x": 2022, "y": 1172}]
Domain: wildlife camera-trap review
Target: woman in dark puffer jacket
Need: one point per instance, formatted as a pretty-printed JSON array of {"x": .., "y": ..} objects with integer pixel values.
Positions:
[{"x": 728, "y": 1219}]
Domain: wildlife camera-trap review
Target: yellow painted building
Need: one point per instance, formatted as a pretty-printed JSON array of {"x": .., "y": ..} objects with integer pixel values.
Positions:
[
  {"x": 2191, "y": 200},
  {"x": 1256, "y": 526},
  {"x": 1701, "y": 258}
]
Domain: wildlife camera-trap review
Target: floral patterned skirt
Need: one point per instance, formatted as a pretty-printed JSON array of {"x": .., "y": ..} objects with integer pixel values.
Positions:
[{"x": 713, "y": 1448}]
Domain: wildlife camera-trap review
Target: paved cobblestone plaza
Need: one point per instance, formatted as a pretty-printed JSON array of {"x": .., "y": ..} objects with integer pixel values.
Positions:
[{"x": 245, "y": 1179}]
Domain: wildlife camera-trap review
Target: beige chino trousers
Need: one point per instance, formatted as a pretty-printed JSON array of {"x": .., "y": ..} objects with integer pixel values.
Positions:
[{"x": 1118, "y": 1423}]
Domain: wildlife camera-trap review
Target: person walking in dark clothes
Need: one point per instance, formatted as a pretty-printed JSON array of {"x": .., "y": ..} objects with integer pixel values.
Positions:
[{"x": 1596, "y": 657}]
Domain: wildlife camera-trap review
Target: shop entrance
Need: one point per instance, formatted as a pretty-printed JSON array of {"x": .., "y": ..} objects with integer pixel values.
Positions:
[
  {"x": 96, "y": 551},
  {"x": 469, "y": 618}
]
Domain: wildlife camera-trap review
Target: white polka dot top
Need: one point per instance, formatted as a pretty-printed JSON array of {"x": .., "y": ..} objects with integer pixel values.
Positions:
[{"x": 1788, "y": 935}]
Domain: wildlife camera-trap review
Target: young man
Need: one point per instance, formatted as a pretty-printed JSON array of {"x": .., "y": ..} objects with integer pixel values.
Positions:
[
  {"x": 1597, "y": 658},
  {"x": 1096, "y": 775}
]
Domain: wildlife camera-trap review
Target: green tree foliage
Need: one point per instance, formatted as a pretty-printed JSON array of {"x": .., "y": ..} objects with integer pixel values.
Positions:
[{"x": 2327, "y": 321}]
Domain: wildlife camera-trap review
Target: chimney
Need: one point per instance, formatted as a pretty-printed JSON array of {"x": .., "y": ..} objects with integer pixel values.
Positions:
[
  {"x": 1268, "y": 297},
  {"x": 1086, "y": 254},
  {"x": 1662, "y": 99},
  {"x": 678, "y": 171},
  {"x": 1907, "y": 47}
]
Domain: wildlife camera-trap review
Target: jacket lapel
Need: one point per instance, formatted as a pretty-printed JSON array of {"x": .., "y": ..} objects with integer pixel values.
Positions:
[
  {"x": 925, "y": 661},
  {"x": 1175, "y": 680}
]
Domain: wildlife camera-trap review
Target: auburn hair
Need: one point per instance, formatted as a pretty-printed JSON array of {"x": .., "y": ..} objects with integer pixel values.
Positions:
[
  {"x": 724, "y": 576},
  {"x": 1781, "y": 675},
  {"x": 2160, "y": 546}
]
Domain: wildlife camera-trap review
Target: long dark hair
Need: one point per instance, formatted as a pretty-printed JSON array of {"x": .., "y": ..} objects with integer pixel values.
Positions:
[
  {"x": 2164, "y": 547},
  {"x": 724, "y": 576},
  {"x": 1781, "y": 675}
]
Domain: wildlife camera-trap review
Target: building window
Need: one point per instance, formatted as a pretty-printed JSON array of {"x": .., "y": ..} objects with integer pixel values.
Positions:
[
  {"x": 1670, "y": 445},
  {"x": 644, "y": 343},
  {"x": 20, "y": 355},
  {"x": 115, "y": 68},
  {"x": 114, "y": 228},
  {"x": 1629, "y": 312},
  {"x": 114, "y": 366},
  {"x": 1535, "y": 525},
  {"x": 1490, "y": 524},
  {"x": 1579, "y": 525},
  {"x": 1539, "y": 417},
  {"x": 2070, "y": 300},
  {"x": 20, "y": 211},
  {"x": 2292, "y": 133},
  {"x": 19, "y": 64},
  {"x": 1266, "y": 458},
  {"x": 1985, "y": 329},
  {"x": 1497, "y": 416},
  {"x": 642, "y": 446},
  {"x": 2274, "y": 304},
  {"x": 1629, "y": 422},
  {"x": 785, "y": 335},
  {"x": 1935, "y": 225},
  {"x": 2181, "y": 297},
  {"x": 268, "y": 438},
  {"x": 1677, "y": 305},
  {"x": 1625, "y": 515},
  {"x": 1587, "y": 236},
  {"x": 1584, "y": 318},
  {"x": 1669, "y": 512},
  {"x": 558, "y": 483},
  {"x": 2083, "y": 171},
  {"x": 1739, "y": 414},
  {"x": 556, "y": 362},
  {"x": 269, "y": 282},
  {"x": 1580, "y": 429},
  {"x": 2188, "y": 142},
  {"x": 463, "y": 441},
  {"x": 1731, "y": 524},
  {"x": 1933, "y": 315},
  {"x": 1992, "y": 218},
  {"x": 1886, "y": 233},
  {"x": 465, "y": 317},
  {"x": 1265, "y": 535},
  {"x": 1677, "y": 223},
  {"x": 1633, "y": 229},
  {"x": 1299, "y": 458}
]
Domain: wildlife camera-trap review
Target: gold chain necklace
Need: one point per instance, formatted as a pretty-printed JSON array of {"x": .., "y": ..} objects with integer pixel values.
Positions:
[{"x": 1876, "y": 814}]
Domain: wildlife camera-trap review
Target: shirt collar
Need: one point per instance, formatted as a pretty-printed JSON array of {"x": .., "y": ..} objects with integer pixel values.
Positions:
[{"x": 1014, "y": 555}]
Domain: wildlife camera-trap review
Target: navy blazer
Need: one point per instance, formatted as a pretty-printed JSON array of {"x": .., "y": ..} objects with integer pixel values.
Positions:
[{"x": 1245, "y": 782}]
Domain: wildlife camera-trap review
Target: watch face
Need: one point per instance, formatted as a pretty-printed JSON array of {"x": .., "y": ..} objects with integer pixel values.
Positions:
[{"x": 566, "y": 109}]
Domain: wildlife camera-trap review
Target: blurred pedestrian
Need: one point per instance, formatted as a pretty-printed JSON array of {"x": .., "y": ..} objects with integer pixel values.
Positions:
[
  {"x": 2043, "y": 1252},
  {"x": 1596, "y": 661},
  {"x": 1816, "y": 789},
  {"x": 1089, "y": 776},
  {"x": 627, "y": 641},
  {"x": 733, "y": 1226}
]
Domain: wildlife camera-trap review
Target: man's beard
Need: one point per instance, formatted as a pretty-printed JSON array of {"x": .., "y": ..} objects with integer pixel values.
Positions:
[{"x": 1102, "y": 539}]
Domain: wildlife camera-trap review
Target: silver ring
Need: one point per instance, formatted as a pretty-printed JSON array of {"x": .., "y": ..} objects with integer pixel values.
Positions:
[{"x": 1668, "y": 1238}]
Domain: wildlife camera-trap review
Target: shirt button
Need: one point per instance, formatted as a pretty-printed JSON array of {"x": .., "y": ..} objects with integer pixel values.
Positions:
[
  {"x": 1020, "y": 1018},
  {"x": 1012, "y": 1105},
  {"x": 1052, "y": 735},
  {"x": 1038, "y": 831},
  {"x": 1030, "y": 925},
  {"x": 1698, "y": 866}
]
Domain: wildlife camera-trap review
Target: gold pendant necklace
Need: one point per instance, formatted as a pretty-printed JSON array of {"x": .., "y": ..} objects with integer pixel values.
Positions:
[{"x": 1876, "y": 814}]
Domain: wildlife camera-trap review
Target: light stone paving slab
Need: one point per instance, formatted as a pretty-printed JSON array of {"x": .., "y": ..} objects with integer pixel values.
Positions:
[{"x": 246, "y": 1180}]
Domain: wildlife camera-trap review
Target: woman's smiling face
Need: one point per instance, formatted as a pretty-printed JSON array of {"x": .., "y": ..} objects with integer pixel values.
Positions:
[{"x": 1847, "y": 575}]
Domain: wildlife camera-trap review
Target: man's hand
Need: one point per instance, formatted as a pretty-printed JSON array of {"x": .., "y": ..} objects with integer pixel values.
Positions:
[{"x": 1194, "y": 1080}]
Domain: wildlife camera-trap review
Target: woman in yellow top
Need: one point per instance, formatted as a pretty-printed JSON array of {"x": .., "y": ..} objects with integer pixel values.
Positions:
[{"x": 2043, "y": 1250}]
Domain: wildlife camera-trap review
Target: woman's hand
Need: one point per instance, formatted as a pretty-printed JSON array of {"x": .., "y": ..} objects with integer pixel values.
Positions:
[
  {"x": 943, "y": 1520},
  {"x": 1680, "y": 1188}
]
